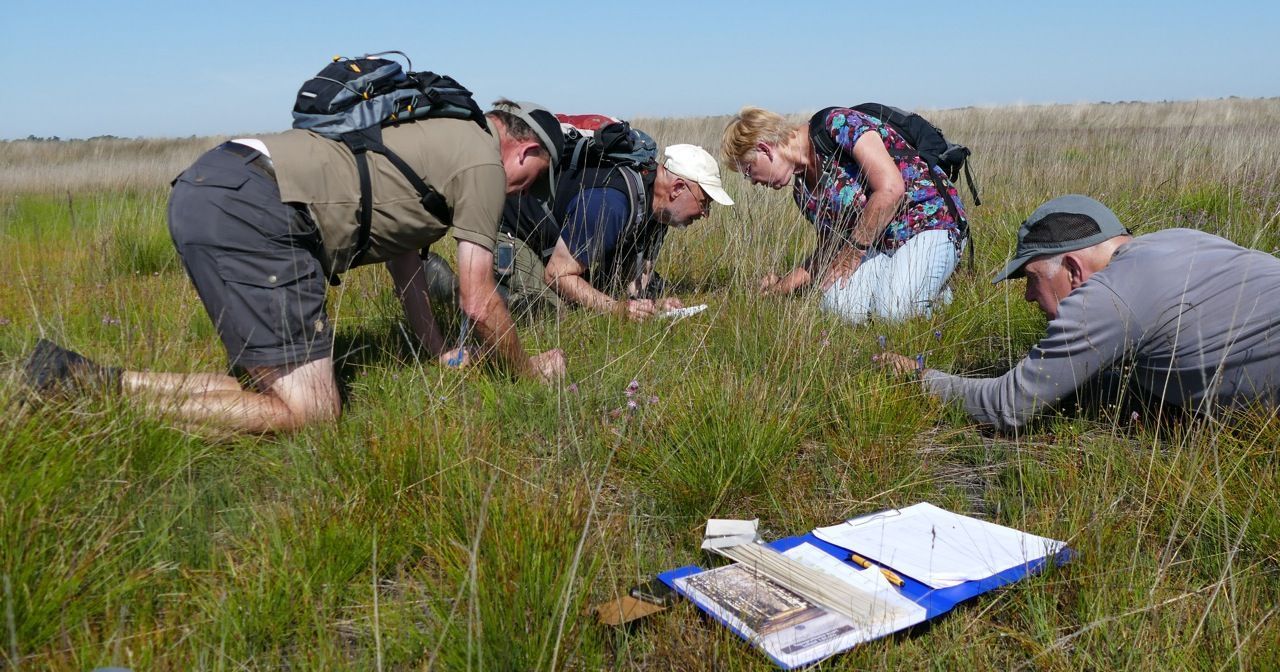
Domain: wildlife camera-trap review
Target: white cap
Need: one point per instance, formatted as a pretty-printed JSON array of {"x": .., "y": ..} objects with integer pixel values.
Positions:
[{"x": 692, "y": 162}]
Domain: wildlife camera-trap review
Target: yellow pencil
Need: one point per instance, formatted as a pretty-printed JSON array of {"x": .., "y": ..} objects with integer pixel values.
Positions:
[{"x": 866, "y": 564}]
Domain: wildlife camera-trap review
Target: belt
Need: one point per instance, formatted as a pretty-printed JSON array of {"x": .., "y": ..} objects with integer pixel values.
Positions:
[{"x": 258, "y": 160}]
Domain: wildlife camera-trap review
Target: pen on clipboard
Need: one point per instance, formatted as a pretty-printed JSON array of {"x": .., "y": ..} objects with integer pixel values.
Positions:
[{"x": 889, "y": 575}]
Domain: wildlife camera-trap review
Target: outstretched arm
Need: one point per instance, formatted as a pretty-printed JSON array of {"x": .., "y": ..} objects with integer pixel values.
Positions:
[
  {"x": 884, "y": 182},
  {"x": 1094, "y": 330},
  {"x": 411, "y": 288},
  {"x": 566, "y": 275},
  {"x": 481, "y": 302}
]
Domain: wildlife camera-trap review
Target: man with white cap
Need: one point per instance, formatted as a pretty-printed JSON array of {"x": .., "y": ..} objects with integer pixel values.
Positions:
[
  {"x": 1191, "y": 319},
  {"x": 604, "y": 259}
]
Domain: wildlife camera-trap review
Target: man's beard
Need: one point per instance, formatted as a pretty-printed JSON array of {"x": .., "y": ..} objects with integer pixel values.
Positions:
[{"x": 666, "y": 217}]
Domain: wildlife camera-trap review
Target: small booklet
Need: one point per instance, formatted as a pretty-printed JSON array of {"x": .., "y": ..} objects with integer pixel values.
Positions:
[{"x": 790, "y": 629}]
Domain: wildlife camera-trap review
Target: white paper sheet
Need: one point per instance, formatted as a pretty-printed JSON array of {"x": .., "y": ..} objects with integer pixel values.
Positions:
[
  {"x": 723, "y": 527},
  {"x": 681, "y": 313},
  {"x": 723, "y": 532},
  {"x": 937, "y": 547}
]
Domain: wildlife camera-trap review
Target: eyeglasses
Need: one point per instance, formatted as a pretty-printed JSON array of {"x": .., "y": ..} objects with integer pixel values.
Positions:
[{"x": 703, "y": 201}]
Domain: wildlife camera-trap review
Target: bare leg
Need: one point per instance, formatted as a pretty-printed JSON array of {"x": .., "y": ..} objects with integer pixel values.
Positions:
[
  {"x": 290, "y": 397},
  {"x": 143, "y": 382}
]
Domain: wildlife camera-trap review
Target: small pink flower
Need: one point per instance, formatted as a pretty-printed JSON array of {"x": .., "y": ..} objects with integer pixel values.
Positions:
[
  {"x": 4, "y": 322},
  {"x": 632, "y": 405},
  {"x": 653, "y": 399},
  {"x": 110, "y": 320},
  {"x": 632, "y": 387},
  {"x": 573, "y": 387}
]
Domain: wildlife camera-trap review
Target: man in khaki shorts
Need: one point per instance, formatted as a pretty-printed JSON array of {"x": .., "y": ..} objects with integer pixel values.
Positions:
[{"x": 262, "y": 223}]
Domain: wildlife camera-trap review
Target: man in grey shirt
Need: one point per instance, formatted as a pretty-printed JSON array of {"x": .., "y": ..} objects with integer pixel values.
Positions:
[{"x": 1192, "y": 317}]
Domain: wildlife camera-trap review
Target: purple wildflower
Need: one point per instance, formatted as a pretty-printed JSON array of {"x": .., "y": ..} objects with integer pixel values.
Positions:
[
  {"x": 573, "y": 387},
  {"x": 632, "y": 405},
  {"x": 4, "y": 322},
  {"x": 937, "y": 334},
  {"x": 110, "y": 320},
  {"x": 632, "y": 388},
  {"x": 653, "y": 399}
]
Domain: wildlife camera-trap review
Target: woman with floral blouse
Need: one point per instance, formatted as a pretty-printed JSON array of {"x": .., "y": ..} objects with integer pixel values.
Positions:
[{"x": 887, "y": 240}]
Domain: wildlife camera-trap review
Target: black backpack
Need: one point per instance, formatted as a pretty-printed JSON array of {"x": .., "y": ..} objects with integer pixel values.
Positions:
[
  {"x": 351, "y": 99},
  {"x": 612, "y": 154},
  {"x": 621, "y": 157},
  {"x": 612, "y": 144},
  {"x": 926, "y": 141}
]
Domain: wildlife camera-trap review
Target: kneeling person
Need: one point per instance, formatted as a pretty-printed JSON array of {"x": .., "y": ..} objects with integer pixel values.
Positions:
[
  {"x": 604, "y": 257},
  {"x": 262, "y": 223}
]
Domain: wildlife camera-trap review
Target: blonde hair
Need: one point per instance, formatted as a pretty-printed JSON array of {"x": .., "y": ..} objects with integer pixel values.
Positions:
[{"x": 752, "y": 125}]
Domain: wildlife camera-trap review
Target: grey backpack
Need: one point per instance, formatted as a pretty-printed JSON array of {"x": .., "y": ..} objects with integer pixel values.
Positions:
[{"x": 351, "y": 99}]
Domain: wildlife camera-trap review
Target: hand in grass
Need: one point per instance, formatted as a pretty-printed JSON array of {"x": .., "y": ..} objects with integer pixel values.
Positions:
[
  {"x": 550, "y": 365},
  {"x": 458, "y": 358},
  {"x": 639, "y": 309},
  {"x": 899, "y": 365}
]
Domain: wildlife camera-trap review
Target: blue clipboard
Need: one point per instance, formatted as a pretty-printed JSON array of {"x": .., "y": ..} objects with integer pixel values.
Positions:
[{"x": 936, "y": 601}]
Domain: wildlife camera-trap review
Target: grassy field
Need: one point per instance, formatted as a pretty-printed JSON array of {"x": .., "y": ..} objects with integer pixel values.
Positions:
[{"x": 464, "y": 521}]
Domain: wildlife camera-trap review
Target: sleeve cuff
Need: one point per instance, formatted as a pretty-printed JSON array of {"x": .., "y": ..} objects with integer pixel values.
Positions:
[{"x": 473, "y": 237}]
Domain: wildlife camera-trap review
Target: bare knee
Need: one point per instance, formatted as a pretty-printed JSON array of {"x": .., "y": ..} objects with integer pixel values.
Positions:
[
  {"x": 294, "y": 416},
  {"x": 303, "y": 395}
]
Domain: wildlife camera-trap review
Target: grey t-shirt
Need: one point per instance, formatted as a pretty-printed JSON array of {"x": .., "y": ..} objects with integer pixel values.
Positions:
[{"x": 1192, "y": 315}]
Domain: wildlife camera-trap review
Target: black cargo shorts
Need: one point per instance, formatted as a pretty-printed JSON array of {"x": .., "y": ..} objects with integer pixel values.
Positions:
[{"x": 253, "y": 260}]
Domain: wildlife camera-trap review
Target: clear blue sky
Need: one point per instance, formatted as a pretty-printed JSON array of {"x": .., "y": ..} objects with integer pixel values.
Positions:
[{"x": 82, "y": 68}]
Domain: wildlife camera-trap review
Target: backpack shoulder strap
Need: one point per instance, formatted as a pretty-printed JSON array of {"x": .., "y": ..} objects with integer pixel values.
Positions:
[
  {"x": 370, "y": 140},
  {"x": 638, "y": 218},
  {"x": 823, "y": 143},
  {"x": 578, "y": 154},
  {"x": 637, "y": 196}
]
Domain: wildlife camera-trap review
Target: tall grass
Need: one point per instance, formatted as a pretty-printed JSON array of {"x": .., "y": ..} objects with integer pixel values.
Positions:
[{"x": 460, "y": 520}]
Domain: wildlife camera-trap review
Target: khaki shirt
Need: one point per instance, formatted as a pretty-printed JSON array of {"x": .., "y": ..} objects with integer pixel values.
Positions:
[{"x": 455, "y": 156}]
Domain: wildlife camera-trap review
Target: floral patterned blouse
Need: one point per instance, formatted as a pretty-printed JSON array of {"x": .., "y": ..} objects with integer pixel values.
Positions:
[{"x": 842, "y": 193}]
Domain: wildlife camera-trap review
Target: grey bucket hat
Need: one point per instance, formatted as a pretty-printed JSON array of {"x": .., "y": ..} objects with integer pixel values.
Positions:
[
  {"x": 546, "y": 127},
  {"x": 1052, "y": 229}
]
